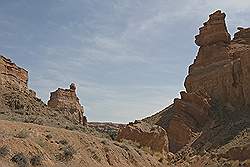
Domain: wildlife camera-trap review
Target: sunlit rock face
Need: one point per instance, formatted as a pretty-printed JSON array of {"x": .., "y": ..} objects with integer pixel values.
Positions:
[
  {"x": 12, "y": 76},
  {"x": 191, "y": 112},
  {"x": 151, "y": 136},
  {"x": 222, "y": 66},
  {"x": 219, "y": 77},
  {"x": 66, "y": 101}
]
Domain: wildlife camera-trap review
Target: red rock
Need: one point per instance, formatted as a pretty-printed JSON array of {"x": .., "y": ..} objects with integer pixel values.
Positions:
[
  {"x": 66, "y": 101},
  {"x": 219, "y": 76},
  {"x": 151, "y": 136},
  {"x": 191, "y": 113},
  {"x": 213, "y": 31},
  {"x": 221, "y": 66},
  {"x": 242, "y": 36},
  {"x": 12, "y": 76}
]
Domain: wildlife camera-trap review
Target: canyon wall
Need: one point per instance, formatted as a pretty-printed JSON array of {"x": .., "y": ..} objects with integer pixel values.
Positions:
[
  {"x": 11, "y": 75},
  {"x": 222, "y": 66},
  {"x": 217, "y": 81}
]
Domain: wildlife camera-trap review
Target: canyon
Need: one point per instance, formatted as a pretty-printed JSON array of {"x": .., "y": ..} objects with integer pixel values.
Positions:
[{"x": 209, "y": 125}]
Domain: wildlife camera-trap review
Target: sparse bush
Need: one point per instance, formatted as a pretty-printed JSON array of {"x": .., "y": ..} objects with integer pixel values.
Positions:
[
  {"x": 36, "y": 160},
  {"x": 161, "y": 160},
  {"x": 72, "y": 127},
  {"x": 22, "y": 134},
  {"x": 112, "y": 133},
  {"x": 67, "y": 154},
  {"x": 40, "y": 142},
  {"x": 20, "y": 160},
  {"x": 4, "y": 151},
  {"x": 63, "y": 142},
  {"x": 147, "y": 150},
  {"x": 48, "y": 136},
  {"x": 104, "y": 142},
  {"x": 131, "y": 143},
  {"x": 125, "y": 147},
  {"x": 138, "y": 151},
  {"x": 96, "y": 157},
  {"x": 16, "y": 104}
]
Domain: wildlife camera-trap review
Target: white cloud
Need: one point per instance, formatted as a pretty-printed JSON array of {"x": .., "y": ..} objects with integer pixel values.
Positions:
[{"x": 96, "y": 44}]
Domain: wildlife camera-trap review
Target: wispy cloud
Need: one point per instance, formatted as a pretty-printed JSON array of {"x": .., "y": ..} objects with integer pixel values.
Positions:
[{"x": 128, "y": 58}]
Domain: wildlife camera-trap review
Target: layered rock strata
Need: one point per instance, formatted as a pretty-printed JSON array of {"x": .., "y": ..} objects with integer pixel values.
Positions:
[
  {"x": 66, "y": 101},
  {"x": 191, "y": 113},
  {"x": 217, "y": 80},
  {"x": 11, "y": 75},
  {"x": 146, "y": 135},
  {"x": 221, "y": 67}
]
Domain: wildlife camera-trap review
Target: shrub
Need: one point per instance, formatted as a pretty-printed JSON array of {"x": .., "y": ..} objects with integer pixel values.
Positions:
[
  {"x": 63, "y": 142},
  {"x": 96, "y": 157},
  {"x": 4, "y": 151},
  {"x": 22, "y": 134},
  {"x": 67, "y": 154},
  {"x": 48, "y": 136},
  {"x": 36, "y": 160},
  {"x": 20, "y": 160},
  {"x": 40, "y": 142}
]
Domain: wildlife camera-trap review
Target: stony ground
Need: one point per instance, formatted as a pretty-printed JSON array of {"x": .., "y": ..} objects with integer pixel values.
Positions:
[{"x": 25, "y": 144}]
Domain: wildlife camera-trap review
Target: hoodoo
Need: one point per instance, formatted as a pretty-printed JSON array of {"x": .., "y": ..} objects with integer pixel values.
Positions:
[{"x": 66, "y": 101}]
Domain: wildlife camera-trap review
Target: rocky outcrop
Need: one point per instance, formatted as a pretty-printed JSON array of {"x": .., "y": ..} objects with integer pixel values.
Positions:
[
  {"x": 11, "y": 75},
  {"x": 221, "y": 67},
  {"x": 66, "y": 101},
  {"x": 213, "y": 31},
  {"x": 242, "y": 36},
  {"x": 191, "y": 113},
  {"x": 241, "y": 153},
  {"x": 18, "y": 102},
  {"x": 146, "y": 135},
  {"x": 217, "y": 80}
]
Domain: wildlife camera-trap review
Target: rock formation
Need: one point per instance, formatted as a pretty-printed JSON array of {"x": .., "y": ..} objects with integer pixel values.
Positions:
[
  {"x": 191, "y": 112},
  {"x": 146, "y": 135},
  {"x": 213, "y": 31},
  {"x": 66, "y": 101},
  {"x": 11, "y": 75},
  {"x": 221, "y": 67},
  {"x": 16, "y": 99},
  {"x": 217, "y": 80}
]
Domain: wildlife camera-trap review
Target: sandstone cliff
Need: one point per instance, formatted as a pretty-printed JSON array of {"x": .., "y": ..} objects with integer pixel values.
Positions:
[
  {"x": 221, "y": 67},
  {"x": 66, "y": 101},
  {"x": 11, "y": 75},
  {"x": 215, "y": 107}
]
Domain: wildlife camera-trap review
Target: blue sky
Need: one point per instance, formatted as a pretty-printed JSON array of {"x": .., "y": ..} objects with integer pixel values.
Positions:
[{"x": 129, "y": 58}]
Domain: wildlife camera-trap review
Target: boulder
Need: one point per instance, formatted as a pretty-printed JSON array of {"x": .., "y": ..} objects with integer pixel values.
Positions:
[{"x": 146, "y": 135}]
